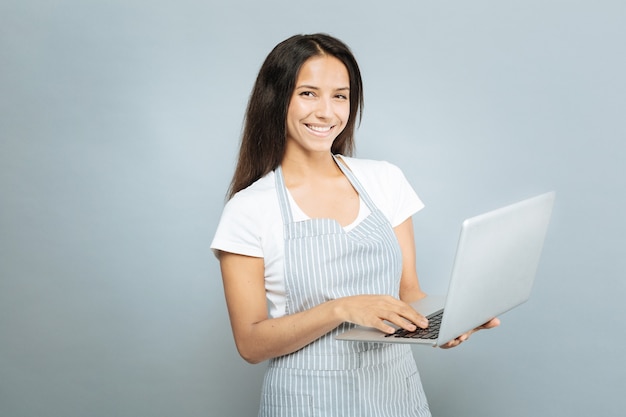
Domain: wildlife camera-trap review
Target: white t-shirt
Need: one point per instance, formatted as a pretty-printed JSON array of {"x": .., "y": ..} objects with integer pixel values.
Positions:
[{"x": 251, "y": 223}]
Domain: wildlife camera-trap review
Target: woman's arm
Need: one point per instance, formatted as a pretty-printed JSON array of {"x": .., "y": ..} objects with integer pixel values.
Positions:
[
  {"x": 259, "y": 338},
  {"x": 409, "y": 284}
]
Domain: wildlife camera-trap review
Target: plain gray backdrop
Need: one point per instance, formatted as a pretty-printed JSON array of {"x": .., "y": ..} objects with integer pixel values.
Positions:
[{"x": 119, "y": 127}]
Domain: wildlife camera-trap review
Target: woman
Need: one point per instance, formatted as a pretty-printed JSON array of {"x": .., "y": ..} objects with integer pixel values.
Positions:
[{"x": 313, "y": 242}]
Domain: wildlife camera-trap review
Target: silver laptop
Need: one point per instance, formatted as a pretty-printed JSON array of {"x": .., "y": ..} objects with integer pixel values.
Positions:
[{"x": 494, "y": 269}]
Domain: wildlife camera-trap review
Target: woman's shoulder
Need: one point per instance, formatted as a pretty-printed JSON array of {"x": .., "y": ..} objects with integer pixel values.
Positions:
[
  {"x": 262, "y": 189},
  {"x": 372, "y": 169},
  {"x": 248, "y": 218},
  {"x": 256, "y": 199},
  {"x": 389, "y": 189}
]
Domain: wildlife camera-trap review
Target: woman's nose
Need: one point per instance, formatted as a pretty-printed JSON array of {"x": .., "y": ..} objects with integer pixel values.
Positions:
[{"x": 324, "y": 108}]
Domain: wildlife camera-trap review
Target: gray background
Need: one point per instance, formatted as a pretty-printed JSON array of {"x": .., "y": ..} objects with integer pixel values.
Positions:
[{"x": 119, "y": 125}]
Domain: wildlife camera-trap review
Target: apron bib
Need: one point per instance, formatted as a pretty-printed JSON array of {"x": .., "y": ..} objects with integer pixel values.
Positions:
[{"x": 329, "y": 378}]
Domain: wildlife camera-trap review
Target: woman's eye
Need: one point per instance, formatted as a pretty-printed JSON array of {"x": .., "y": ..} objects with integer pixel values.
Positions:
[{"x": 307, "y": 94}]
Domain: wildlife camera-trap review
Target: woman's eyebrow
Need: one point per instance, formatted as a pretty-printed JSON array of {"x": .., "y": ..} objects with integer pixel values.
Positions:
[{"x": 312, "y": 87}]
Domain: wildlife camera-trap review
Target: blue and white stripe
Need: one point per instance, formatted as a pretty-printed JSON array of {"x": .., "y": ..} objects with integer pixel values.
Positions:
[{"x": 331, "y": 378}]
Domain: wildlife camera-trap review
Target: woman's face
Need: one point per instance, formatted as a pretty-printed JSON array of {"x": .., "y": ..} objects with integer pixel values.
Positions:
[{"x": 320, "y": 105}]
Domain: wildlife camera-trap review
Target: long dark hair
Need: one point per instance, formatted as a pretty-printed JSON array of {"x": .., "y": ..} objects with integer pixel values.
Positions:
[{"x": 264, "y": 133}]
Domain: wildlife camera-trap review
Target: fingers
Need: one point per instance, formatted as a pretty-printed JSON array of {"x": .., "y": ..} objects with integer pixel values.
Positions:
[
  {"x": 403, "y": 315},
  {"x": 495, "y": 322},
  {"x": 456, "y": 342},
  {"x": 379, "y": 311},
  {"x": 407, "y": 318},
  {"x": 400, "y": 321},
  {"x": 451, "y": 344}
]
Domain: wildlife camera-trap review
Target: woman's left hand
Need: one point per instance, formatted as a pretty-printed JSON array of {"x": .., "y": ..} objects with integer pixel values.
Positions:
[{"x": 495, "y": 322}]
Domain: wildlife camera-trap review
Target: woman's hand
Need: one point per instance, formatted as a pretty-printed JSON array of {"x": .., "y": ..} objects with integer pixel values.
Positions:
[
  {"x": 375, "y": 310},
  {"x": 495, "y": 322},
  {"x": 259, "y": 337}
]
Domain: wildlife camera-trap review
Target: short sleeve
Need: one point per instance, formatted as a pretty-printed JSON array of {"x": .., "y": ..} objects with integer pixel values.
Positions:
[
  {"x": 388, "y": 187},
  {"x": 238, "y": 230},
  {"x": 406, "y": 200},
  {"x": 251, "y": 224}
]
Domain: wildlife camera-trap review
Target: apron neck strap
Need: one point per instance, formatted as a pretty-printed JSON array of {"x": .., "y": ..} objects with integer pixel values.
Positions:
[{"x": 283, "y": 198}]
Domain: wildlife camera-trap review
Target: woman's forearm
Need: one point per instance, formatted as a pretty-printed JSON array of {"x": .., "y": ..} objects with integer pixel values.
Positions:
[{"x": 275, "y": 337}]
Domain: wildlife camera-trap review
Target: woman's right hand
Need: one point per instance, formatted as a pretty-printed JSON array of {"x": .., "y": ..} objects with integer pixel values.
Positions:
[
  {"x": 376, "y": 310},
  {"x": 259, "y": 337}
]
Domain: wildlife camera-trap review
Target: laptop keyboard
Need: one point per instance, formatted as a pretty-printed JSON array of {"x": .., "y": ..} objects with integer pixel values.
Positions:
[{"x": 431, "y": 332}]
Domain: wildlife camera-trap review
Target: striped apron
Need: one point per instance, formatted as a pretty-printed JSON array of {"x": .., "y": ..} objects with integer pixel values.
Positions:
[{"x": 330, "y": 378}]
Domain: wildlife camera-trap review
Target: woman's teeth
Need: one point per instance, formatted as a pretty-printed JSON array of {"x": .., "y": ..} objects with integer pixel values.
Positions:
[{"x": 319, "y": 128}]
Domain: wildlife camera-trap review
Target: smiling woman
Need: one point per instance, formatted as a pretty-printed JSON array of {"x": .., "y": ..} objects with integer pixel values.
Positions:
[
  {"x": 319, "y": 107},
  {"x": 264, "y": 136},
  {"x": 318, "y": 111},
  {"x": 322, "y": 239}
]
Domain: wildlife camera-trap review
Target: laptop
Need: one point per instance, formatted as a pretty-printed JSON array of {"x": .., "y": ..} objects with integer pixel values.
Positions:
[{"x": 494, "y": 268}]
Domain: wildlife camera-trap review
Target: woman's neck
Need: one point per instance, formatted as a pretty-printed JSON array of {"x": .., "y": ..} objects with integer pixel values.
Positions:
[
  {"x": 320, "y": 188},
  {"x": 303, "y": 168}
]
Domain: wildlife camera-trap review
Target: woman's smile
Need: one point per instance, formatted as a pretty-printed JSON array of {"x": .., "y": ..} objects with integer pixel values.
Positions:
[
  {"x": 320, "y": 105},
  {"x": 319, "y": 129}
]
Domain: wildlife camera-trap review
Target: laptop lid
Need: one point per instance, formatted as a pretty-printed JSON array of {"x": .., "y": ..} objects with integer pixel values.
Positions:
[{"x": 494, "y": 269}]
